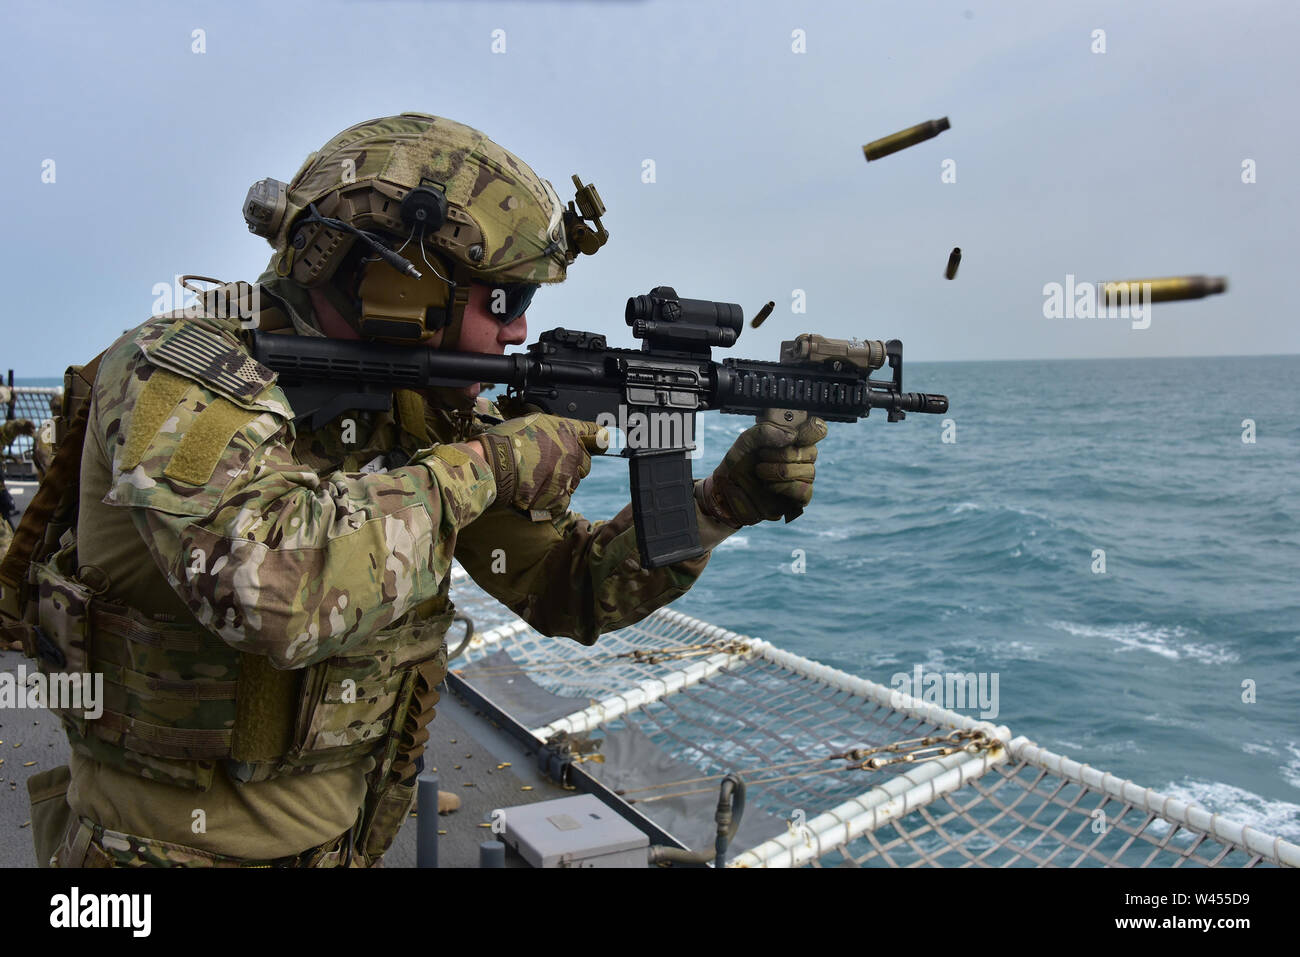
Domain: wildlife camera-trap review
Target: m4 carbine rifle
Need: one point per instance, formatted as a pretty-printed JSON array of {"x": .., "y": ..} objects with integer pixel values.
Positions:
[{"x": 576, "y": 375}]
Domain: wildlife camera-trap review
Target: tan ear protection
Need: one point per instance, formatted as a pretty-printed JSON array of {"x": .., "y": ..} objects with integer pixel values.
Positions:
[{"x": 411, "y": 308}]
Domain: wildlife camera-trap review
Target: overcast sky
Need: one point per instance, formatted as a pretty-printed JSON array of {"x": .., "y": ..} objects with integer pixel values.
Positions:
[{"x": 1109, "y": 165}]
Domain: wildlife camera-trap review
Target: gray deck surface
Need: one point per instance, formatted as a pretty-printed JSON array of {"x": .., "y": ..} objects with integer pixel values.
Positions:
[
  {"x": 458, "y": 736},
  {"x": 26, "y": 736}
]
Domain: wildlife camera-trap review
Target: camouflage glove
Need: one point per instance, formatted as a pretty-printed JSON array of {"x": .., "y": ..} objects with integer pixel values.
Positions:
[
  {"x": 768, "y": 472},
  {"x": 538, "y": 460}
]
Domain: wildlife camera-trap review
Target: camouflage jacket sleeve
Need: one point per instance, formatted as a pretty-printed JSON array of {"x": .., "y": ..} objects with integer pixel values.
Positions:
[
  {"x": 571, "y": 577},
  {"x": 271, "y": 557}
]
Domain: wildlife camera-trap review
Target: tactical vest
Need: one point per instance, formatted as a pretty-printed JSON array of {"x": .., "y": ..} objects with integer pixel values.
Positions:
[{"x": 178, "y": 700}]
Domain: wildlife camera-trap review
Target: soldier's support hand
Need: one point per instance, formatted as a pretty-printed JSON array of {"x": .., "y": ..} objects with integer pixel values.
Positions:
[
  {"x": 768, "y": 471},
  {"x": 538, "y": 460}
]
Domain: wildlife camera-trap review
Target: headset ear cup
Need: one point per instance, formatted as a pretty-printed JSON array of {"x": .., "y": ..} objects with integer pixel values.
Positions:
[
  {"x": 424, "y": 208},
  {"x": 396, "y": 306}
]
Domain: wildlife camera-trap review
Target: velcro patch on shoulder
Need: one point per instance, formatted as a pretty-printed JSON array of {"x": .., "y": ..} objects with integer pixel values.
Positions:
[
  {"x": 152, "y": 407},
  {"x": 211, "y": 359},
  {"x": 205, "y": 442}
]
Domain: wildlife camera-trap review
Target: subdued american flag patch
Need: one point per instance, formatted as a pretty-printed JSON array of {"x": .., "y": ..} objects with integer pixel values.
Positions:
[{"x": 194, "y": 352}]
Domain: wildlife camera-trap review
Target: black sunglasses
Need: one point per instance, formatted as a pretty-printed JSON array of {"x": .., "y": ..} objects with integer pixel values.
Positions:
[{"x": 508, "y": 301}]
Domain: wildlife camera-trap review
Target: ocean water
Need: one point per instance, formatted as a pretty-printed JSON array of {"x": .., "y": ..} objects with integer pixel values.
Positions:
[
  {"x": 978, "y": 556},
  {"x": 44, "y": 383}
]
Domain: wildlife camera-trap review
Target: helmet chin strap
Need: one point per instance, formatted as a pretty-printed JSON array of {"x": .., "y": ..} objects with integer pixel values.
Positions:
[
  {"x": 456, "y": 309},
  {"x": 448, "y": 398},
  {"x": 460, "y": 283}
]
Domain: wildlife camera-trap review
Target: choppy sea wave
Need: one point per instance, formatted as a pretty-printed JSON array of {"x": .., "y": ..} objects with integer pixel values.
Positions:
[{"x": 1098, "y": 535}]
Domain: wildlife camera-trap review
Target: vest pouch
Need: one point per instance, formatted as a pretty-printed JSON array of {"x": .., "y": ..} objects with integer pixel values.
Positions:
[
  {"x": 391, "y": 812},
  {"x": 350, "y": 701},
  {"x": 62, "y": 636},
  {"x": 163, "y": 693},
  {"x": 48, "y": 793}
]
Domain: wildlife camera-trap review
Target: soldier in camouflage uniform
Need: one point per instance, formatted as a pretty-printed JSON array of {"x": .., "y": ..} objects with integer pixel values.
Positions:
[
  {"x": 267, "y": 603},
  {"x": 9, "y": 430}
]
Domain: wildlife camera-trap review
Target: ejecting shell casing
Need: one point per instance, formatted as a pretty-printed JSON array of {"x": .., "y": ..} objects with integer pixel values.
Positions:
[
  {"x": 762, "y": 314},
  {"x": 902, "y": 140},
  {"x": 954, "y": 260},
  {"x": 1170, "y": 289}
]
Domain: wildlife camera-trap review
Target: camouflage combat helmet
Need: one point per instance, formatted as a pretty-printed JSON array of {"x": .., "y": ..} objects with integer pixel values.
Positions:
[{"x": 443, "y": 197}]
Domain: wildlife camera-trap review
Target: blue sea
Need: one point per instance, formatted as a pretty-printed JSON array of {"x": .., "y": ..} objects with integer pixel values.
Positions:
[
  {"x": 981, "y": 555},
  {"x": 978, "y": 555}
]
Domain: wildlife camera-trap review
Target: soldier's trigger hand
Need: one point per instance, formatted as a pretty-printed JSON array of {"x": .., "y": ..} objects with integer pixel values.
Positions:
[
  {"x": 538, "y": 460},
  {"x": 767, "y": 474}
]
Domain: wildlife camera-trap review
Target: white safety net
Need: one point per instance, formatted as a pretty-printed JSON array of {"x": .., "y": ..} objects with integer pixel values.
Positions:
[{"x": 839, "y": 771}]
